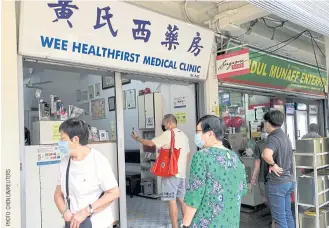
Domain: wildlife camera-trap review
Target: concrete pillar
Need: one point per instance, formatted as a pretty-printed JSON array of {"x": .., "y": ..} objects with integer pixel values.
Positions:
[
  {"x": 210, "y": 86},
  {"x": 10, "y": 131},
  {"x": 326, "y": 42}
]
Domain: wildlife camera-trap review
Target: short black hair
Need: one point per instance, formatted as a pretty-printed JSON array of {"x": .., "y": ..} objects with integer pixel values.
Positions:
[
  {"x": 212, "y": 123},
  {"x": 170, "y": 118},
  {"x": 226, "y": 144},
  {"x": 314, "y": 128},
  {"x": 75, "y": 127},
  {"x": 274, "y": 117}
]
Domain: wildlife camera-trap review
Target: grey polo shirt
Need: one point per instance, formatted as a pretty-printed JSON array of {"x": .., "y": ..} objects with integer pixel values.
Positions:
[{"x": 281, "y": 146}]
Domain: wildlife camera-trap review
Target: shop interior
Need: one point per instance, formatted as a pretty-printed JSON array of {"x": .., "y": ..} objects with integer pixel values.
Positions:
[
  {"x": 54, "y": 93},
  {"x": 243, "y": 111}
]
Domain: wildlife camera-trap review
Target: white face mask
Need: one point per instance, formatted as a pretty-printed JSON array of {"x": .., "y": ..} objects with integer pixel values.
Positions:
[{"x": 264, "y": 135}]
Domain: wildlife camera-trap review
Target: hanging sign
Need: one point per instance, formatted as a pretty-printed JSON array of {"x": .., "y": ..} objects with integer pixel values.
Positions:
[
  {"x": 270, "y": 71},
  {"x": 233, "y": 63},
  {"x": 114, "y": 34}
]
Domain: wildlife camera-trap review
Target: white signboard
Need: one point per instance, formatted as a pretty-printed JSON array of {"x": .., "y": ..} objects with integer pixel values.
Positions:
[
  {"x": 115, "y": 35},
  {"x": 233, "y": 63},
  {"x": 180, "y": 102}
]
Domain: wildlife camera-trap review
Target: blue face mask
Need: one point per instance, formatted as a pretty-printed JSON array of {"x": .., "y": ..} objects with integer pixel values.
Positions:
[
  {"x": 198, "y": 141},
  {"x": 63, "y": 147}
]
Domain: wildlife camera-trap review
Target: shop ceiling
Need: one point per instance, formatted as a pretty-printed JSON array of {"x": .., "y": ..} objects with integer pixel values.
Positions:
[{"x": 235, "y": 18}]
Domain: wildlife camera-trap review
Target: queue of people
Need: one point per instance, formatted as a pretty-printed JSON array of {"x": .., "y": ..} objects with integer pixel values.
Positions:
[{"x": 217, "y": 179}]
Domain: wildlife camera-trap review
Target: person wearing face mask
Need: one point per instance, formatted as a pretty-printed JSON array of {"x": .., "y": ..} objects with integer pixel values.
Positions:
[
  {"x": 173, "y": 188},
  {"x": 217, "y": 180},
  {"x": 86, "y": 185}
]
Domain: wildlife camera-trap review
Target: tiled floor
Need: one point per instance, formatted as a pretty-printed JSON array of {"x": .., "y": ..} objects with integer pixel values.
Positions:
[{"x": 148, "y": 213}]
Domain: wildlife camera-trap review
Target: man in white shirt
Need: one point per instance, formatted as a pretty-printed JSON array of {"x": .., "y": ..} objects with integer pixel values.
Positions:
[{"x": 173, "y": 188}]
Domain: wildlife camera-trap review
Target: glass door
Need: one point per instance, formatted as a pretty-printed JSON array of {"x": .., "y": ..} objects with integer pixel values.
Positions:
[
  {"x": 291, "y": 129},
  {"x": 301, "y": 121}
]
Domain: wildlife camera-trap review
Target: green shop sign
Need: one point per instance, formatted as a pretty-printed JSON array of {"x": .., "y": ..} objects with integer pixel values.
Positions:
[{"x": 275, "y": 72}]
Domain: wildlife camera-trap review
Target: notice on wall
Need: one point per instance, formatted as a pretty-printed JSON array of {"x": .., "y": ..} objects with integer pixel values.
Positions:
[
  {"x": 180, "y": 102},
  {"x": 55, "y": 133},
  {"x": 48, "y": 154},
  {"x": 181, "y": 117}
]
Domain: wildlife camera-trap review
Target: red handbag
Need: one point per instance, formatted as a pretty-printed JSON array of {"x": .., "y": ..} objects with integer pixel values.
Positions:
[{"x": 166, "y": 165}]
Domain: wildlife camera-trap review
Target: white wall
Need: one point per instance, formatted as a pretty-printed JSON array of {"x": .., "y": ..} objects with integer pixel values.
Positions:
[
  {"x": 11, "y": 132},
  {"x": 65, "y": 86}
]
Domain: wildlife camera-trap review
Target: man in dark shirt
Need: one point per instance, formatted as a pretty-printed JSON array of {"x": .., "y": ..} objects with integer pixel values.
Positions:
[{"x": 280, "y": 181}]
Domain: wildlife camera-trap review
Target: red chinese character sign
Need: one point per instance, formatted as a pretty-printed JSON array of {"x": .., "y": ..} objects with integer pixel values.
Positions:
[{"x": 232, "y": 64}]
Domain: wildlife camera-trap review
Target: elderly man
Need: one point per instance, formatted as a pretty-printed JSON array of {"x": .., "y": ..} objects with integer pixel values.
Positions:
[
  {"x": 173, "y": 188},
  {"x": 313, "y": 132}
]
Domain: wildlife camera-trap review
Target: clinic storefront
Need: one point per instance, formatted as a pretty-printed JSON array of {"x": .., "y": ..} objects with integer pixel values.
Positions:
[{"x": 115, "y": 37}]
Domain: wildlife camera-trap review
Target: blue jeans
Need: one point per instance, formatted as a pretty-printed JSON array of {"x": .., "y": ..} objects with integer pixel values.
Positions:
[{"x": 278, "y": 196}]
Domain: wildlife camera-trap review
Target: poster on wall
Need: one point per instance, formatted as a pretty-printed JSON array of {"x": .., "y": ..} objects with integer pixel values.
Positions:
[
  {"x": 108, "y": 82},
  {"x": 55, "y": 133},
  {"x": 84, "y": 95},
  {"x": 181, "y": 117},
  {"x": 313, "y": 109},
  {"x": 131, "y": 98},
  {"x": 98, "y": 109},
  {"x": 180, "y": 102},
  {"x": 97, "y": 89},
  {"x": 91, "y": 91},
  {"x": 48, "y": 154}
]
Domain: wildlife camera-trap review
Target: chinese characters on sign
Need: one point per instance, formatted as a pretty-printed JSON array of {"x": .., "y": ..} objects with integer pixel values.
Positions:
[
  {"x": 64, "y": 11},
  {"x": 171, "y": 37},
  {"x": 141, "y": 32},
  {"x": 106, "y": 16}
]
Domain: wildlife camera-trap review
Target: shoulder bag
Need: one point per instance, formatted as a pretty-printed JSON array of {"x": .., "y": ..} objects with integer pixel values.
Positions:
[{"x": 166, "y": 165}]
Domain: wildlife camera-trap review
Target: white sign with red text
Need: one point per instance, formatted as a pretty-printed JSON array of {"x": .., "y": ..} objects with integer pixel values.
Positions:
[{"x": 233, "y": 64}]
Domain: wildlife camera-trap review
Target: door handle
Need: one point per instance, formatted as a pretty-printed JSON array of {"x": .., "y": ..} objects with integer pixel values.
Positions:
[{"x": 298, "y": 133}]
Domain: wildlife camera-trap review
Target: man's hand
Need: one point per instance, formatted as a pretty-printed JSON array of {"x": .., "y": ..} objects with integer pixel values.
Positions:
[
  {"x": 253, "y": 180},
  {"x": 79, "y": 217},
  {"x": 276, "y": 169},
  {"x": 67, "y": 216},
  {"x": 133, "y": 135}
]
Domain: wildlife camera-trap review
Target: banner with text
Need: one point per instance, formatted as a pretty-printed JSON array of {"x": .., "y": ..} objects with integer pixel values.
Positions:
[
  {"x": 115, "y": 35},
  {"x": 275, "y": 72},
  {"x": 233, "y": 63}
]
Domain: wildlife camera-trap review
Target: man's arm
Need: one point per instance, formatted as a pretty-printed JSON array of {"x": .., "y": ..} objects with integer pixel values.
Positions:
[
  {"x": 268, "y": 156},
  {"x": 145, "y": 142},
  {"x": 161, "y": 140}
]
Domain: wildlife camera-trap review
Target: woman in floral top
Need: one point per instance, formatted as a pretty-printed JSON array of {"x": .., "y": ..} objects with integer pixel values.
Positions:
[{"x": 217, "y": 180}]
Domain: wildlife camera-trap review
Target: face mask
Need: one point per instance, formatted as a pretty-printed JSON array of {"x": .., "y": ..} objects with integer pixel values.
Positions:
[
  {"x": 264, "y": 135},
  {"x": 63, "y": 147},
  {"x": 198, "y": 141},
  {"x": 163, "y": 127}
]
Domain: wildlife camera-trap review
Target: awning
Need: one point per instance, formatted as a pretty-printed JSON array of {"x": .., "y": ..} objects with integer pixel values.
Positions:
[{"x": 308, "y": 13}]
